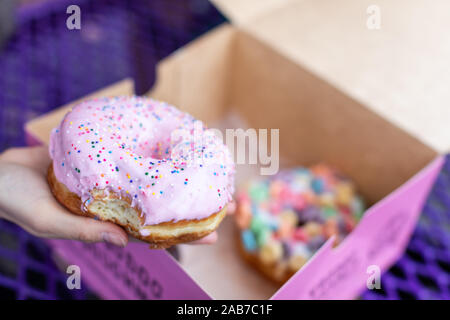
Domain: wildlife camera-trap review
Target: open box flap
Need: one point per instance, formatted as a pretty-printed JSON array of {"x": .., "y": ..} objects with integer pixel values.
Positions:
[
  {"x": 238, "y": 63},
  {"x": 243, "y": 13},
  {"x": 182, "y": 76},
  {"x": 399, "y": 71}
]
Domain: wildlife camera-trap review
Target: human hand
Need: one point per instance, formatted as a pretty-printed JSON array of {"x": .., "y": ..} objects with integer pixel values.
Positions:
[{"x": 26, "y": 200}]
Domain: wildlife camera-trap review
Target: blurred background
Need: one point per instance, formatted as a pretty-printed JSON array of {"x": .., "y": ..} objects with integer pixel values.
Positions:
[{"x": 43, "y": 66}]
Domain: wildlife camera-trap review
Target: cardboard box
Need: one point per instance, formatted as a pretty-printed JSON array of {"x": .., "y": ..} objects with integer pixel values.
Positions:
[{"x": 253, "y": 75}]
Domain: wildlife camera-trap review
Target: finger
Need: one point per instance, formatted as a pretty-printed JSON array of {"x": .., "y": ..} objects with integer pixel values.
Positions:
[
  {"x": 39, "y": 158},
  {"x": 209, "y": 239},
  {"x": 61, "y": 224},
  {"x": 231, "y": 207},
  {"x": 32, "y": 157}
]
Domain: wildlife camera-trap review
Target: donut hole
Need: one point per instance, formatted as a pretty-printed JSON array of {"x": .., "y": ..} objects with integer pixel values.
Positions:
[{"x": 158, "y": 151}]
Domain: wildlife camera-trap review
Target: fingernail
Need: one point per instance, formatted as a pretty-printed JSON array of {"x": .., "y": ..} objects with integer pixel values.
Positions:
[{"x": 114, "y": 238}]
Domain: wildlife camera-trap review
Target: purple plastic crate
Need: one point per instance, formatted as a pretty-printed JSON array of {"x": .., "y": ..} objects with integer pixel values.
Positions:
[
  {"x": 44, "y": 65},
  {"x": 424, "y": 270},
  {"x": 27, "y": 270}
]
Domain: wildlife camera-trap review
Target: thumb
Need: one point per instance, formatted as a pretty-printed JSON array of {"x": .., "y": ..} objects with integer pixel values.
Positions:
[{"x": 63, "y": 224}]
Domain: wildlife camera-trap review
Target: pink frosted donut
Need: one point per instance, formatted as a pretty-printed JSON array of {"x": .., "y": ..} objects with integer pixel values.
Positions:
[{"x": 144, "y": 165}]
